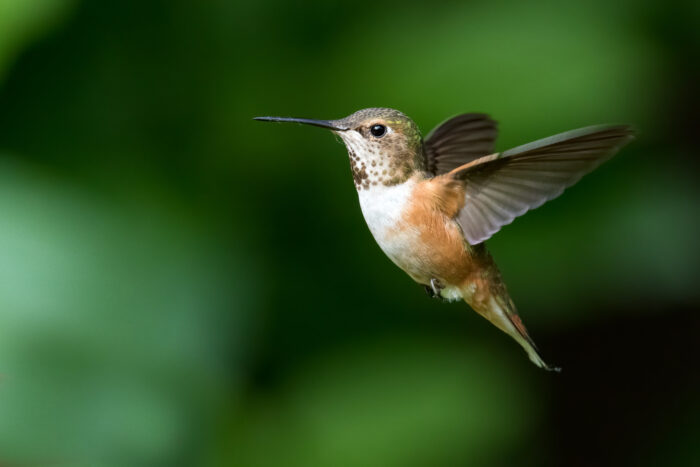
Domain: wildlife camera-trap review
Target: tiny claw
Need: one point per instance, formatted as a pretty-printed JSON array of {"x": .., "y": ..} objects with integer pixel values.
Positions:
[{"x": 436, "y": 286}]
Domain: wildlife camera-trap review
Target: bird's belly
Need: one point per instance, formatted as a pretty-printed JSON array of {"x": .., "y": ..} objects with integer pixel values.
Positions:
[{"x": 427, "y": 247}]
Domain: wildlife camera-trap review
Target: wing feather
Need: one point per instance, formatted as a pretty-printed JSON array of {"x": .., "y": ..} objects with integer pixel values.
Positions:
[
  {"x": 459, "y": 140},
  {"x": 502, "y": 187}
]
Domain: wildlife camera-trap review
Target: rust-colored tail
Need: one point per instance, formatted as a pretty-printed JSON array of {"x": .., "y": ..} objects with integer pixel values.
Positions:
[
  {"x": 486, "y": 293},
  {"x": 501, "y": 312}
]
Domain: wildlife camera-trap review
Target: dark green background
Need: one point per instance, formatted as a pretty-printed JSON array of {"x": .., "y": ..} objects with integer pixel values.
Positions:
[{"x": 180, "y": 285}]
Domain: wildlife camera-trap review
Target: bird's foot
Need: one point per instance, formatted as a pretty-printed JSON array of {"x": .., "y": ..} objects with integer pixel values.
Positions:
[
  {"x": 433, "y": 290},
  {"x": 436, "y": 286}
]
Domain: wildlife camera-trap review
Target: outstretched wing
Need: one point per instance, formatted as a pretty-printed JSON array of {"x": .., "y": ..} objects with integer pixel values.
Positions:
[
  {"x": 459, "y": 140},
  {"x": 501, "y": 187}
]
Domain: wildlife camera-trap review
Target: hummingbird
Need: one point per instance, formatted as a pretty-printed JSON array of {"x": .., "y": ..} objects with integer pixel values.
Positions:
[{"x": 431, "y": 203}]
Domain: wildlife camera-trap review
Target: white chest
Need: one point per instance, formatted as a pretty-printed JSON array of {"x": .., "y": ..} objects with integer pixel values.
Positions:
[{"x": 383, "y": 208}]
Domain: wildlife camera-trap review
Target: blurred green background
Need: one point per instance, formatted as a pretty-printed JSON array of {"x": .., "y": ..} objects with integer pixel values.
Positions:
[{"x": 180, "y": 285}]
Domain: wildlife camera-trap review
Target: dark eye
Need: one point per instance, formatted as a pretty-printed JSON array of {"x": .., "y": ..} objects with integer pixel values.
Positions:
[{"x": 378, "y": 130}]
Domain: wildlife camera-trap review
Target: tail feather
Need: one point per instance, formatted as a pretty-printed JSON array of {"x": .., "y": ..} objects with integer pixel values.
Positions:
[
  {"x": 528, "y": 344},
  {"x": 486, "y": 293},
  {"x": 500, "y": 311}
]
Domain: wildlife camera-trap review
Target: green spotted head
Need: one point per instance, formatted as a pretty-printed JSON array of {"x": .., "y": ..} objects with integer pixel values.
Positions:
[{"x": 384, "y": 145}]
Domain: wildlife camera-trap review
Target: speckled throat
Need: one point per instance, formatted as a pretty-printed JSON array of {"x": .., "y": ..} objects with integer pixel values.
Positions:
[{"x": 389, "y": 160}]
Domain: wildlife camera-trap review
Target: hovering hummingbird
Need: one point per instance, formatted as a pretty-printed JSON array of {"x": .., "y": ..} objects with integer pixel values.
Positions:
[{"x": 431, "y": 203}]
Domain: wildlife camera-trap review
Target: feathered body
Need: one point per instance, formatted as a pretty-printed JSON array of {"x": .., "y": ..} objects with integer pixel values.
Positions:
[
  {"x": 414, "y": 225},
  {"x": 431, "y": 204}
]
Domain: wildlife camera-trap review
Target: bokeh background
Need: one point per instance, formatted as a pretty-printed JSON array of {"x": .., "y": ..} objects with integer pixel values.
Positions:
[{"x": 181, "y": 285}]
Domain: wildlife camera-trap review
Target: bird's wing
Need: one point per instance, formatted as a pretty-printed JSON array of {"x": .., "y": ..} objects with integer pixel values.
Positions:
[
  {"x": 459, "y": 140},
  {"x": 500, "y": 187}
]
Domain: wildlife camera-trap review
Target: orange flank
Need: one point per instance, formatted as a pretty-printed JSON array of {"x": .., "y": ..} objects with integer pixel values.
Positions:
[{"x": 439, "y": 248}]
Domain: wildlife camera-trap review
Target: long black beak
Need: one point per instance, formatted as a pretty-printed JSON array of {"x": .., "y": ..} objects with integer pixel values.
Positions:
[{"x": 330, "y": 124}]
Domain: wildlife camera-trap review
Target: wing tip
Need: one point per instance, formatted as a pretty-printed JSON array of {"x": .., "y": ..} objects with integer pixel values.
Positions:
[{"x": 626, "y": 133}]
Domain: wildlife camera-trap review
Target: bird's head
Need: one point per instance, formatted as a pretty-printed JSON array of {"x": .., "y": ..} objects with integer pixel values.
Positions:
[{"x": 384, "y": 145}]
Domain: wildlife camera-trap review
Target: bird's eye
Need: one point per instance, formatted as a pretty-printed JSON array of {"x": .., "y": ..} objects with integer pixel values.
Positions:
[{"x": 378, "y": 130}]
